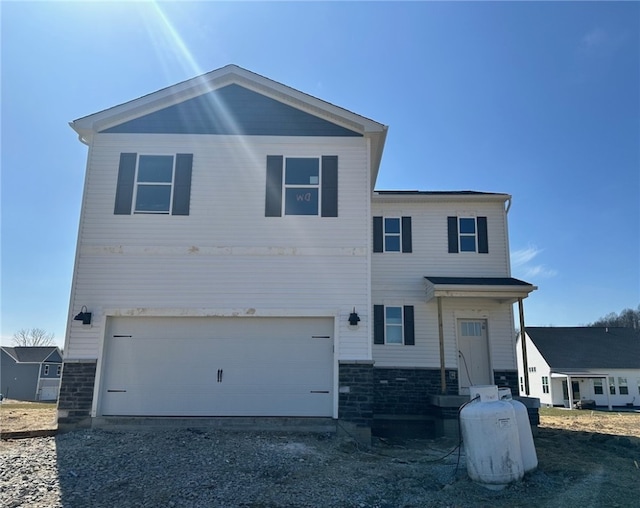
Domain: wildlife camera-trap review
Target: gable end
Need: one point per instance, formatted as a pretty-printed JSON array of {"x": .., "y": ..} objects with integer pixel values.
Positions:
[{"x": 235, "y": 110}]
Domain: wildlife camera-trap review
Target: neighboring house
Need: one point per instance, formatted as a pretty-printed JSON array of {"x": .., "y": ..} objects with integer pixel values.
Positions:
[
  {"x": 599, "y": 364},
  {"x": 235, "y": 261},
  {"x": 30, "y": 373}
]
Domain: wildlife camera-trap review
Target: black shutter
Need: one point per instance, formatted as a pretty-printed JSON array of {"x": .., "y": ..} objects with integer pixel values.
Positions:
[
  {"x": 273, "y": 198},
  {"x": 378, "y": 324},
  {"x": 452, "y": 226},
  {"x": 124, "y": 187},
  {"x": 182, "y": 185},
  {"x": 329, "y": 186},
  {"x": 409, "y": 333},
  {"x": 406, "y": 234},
  {"x": 377, "y": 234},
  {"x": 483, "y": 238}
]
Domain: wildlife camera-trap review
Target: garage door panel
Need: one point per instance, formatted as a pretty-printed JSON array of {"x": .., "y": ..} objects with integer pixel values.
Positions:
[{"x": 218, "y": 367}]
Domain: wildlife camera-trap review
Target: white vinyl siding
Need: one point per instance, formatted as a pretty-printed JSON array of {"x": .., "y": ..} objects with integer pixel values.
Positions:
[
  {"x": 426, "y": 351},
  {"x": 399, "y": 280},
  {"x": 226, "y": 257}
]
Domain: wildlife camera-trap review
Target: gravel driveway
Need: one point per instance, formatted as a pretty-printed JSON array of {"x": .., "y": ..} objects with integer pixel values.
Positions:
[{"x": 193, "y": 468}]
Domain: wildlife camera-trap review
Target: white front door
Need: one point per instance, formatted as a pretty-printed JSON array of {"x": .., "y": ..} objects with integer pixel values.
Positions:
[{"x": 473, "y": 354}]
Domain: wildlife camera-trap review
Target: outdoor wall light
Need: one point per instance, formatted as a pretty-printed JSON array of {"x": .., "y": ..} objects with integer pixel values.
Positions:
[
  {"x": 83, "y": 316},
  {"x": 354, "y": 318}
]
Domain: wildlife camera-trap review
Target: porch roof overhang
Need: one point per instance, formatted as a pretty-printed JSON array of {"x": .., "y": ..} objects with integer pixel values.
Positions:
[
  {"x": 581, "y": 373},
  {"x": 501, "y": 289}
]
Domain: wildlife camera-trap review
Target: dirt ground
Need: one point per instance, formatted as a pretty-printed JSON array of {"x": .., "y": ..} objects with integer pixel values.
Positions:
[
  {"x": 585, "y": 458},
  {"x": 19, "y": 416}
]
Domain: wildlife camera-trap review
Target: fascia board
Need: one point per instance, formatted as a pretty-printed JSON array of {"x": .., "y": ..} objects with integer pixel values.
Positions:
[
  {"x": 443, "y": 197},
  {"x": 216, "y": 79},
  {"x": 465, "y": 291}
]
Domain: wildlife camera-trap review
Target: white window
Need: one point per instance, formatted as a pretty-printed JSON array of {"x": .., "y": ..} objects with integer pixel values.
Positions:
[
  {"x": 545, "y": 384},
  {"x": 471, "y": 328},
  {"x": 301, "y": 186},
  {"x": 392, "y": 238},
  {"x": 612, "y": 386},
  {"x": 59, "y": 370},
  {"x": 393, "y": 325},
  {"x": 467, "y": 231},
  {"x": 46, "y": 370},
  {"x": 623, "y": 387},
  {"x": 598, "y": 389},
  {"x": 154, "y": 182}
]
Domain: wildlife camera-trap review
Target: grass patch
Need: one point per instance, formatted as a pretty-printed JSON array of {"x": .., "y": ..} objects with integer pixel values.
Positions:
[{"x": 32, "y": 406}]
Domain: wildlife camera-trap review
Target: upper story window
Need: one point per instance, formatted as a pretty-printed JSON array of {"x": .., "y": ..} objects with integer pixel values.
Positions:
[
  {"x": 154, "y": 181},
  {"x": 45, "y": 371},
  {"x": 467, "y": 234},
  {"x": 393, "y": 325},
  {"x": 154, "y": 184},
  {"x": 58, "y": 370},
  {"x": 302, "y": 186},
  {"x": 392, "y": 234}
]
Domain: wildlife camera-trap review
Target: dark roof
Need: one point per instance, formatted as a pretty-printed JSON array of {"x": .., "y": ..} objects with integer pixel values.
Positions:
[
  {"x": 438, "y": 193},
  {"x": 587, "y": 347},
  {"x": 478, "y": 281},
  {"x": 33, "y": 354}
]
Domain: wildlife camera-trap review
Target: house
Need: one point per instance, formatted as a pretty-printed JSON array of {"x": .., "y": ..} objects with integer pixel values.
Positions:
[
  {"x": 599, "y": 364},
  {"x": 30, "y": 373},
  {"x": 233, "y": 259}
]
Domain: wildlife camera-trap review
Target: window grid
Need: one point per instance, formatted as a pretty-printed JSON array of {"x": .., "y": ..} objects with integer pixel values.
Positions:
[
  {"x": 623, "y": 387},
  {"x": 302, "y": 186},
  {"x": 154, "y": 183},
  {"x": 597, "y": 387},
  {"x": 545, "y": 384},
  {"x": 467, "y": 231},
  {"x": 392, "y": 234},
  {"x": 393, "y": 320}
]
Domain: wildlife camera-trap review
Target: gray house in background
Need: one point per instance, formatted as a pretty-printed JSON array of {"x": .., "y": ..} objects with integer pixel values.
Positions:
[{"x": 30, "y": 373}]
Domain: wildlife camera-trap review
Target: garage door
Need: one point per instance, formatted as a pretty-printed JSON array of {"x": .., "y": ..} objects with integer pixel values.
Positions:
[{"x": 218, "y": 367}]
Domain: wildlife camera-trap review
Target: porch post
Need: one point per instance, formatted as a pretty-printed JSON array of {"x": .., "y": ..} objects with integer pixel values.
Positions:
[
  {"x": 443, "y": 377},
  {"x": 570, "y": 392},
  {"x": 523, "y": 341}
]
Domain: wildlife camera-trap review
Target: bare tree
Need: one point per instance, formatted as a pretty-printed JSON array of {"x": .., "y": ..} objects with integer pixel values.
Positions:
[
  {"x": 628, "y": 318},
  {"x": 33, "y": 337}
]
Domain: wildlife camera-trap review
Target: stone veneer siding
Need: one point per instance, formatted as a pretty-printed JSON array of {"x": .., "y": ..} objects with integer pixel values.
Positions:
[
  {"x": 403, "y": 391},
  {"x": 76, "y": 394},
  {"x": 355, "y": 393}
]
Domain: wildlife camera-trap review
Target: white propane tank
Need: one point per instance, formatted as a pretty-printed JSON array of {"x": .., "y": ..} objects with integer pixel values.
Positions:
[
  {"x": 527, "y": 448},
  {"x": 490, "y": 436}
]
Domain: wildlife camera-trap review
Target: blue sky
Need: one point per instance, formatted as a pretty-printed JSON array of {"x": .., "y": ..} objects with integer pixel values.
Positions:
[{"x": 539, "y": 100}]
